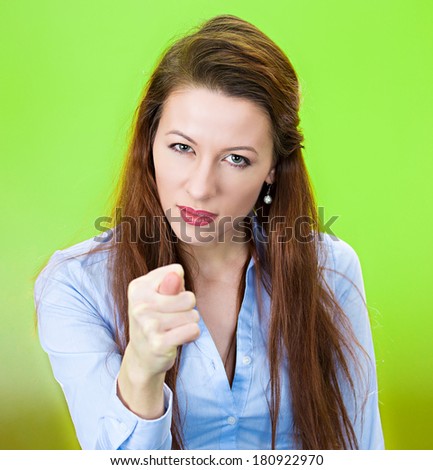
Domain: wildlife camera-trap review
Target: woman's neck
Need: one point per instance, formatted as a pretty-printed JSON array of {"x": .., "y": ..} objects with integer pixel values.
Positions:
[{"x": 215, "y": 261}]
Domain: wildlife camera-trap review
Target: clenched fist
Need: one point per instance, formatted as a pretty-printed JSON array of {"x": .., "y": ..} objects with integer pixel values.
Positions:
[{"x": 161, "y": 317}]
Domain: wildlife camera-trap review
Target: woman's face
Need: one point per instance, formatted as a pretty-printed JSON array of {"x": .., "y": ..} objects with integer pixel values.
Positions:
[{"x": 211, "y": 153}]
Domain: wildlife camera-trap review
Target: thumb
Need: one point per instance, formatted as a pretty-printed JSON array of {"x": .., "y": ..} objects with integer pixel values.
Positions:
[{"x": 172, "y": 284}]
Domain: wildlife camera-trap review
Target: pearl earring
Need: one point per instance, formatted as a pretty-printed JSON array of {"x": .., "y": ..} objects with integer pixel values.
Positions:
[{"x": 268, "y": 198}]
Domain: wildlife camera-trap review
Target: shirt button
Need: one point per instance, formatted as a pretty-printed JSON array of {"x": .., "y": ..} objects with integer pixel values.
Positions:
[
  {"x": 231, "y": 420},
  {"x": 246, "y": 360}
]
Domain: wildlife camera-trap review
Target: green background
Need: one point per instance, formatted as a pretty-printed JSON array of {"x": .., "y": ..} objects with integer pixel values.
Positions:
[{"x": 71, "y": 75}]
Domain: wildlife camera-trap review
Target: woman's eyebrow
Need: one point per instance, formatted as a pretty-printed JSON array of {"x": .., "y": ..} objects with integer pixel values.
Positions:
[{"x": 243, "y": 147}]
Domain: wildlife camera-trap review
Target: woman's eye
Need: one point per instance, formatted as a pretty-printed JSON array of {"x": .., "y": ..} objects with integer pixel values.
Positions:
[
  {"x": 238, "y": 161},
  {"x": 180, "y": 147}
]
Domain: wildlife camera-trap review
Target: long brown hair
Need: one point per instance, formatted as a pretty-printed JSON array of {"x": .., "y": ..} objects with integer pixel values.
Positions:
[{"x": 307, "y": 325}]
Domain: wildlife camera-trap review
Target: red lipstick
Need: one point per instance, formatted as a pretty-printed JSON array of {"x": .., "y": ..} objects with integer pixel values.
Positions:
[{"x": 196, "y": 217}]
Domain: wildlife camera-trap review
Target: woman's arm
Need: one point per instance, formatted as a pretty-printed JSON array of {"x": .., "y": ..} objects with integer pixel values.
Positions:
[
  {"x": 367, "y": 423},
  {"x": 142, "y": 395},
  {"x": 86, "y": 362}
]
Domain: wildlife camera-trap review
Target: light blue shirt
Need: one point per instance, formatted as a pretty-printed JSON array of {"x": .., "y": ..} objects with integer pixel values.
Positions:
[{"x": 76, "y": 329}]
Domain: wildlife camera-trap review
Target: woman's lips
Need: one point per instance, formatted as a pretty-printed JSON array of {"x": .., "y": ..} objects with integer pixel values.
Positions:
[{"x": 196, "y": 217}]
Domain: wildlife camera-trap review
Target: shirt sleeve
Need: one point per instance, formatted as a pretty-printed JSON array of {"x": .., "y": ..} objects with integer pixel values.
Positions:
[
  {"x": 352, "y": 299},
  {"x": 85, "y": 362}
]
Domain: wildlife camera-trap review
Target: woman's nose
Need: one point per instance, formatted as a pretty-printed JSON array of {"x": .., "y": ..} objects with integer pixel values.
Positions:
[{"x": 202, "y": 182}]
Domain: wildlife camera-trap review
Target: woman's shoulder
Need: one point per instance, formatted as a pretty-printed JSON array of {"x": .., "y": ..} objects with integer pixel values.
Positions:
[
  {"x": 82, "y": 255},
  {"x": 336, "y": 253},
  {"x": 341, "y": 264},
  {"x": 72, "y": 296},
  {"x": 80, "y": 268}
]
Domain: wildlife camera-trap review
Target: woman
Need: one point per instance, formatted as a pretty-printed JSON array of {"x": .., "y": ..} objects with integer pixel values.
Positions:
[{"x": 215, "y": 314}]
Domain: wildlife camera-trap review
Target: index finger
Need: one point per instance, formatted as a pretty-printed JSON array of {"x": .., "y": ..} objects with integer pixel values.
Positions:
[{"x": 143, "y": 286}]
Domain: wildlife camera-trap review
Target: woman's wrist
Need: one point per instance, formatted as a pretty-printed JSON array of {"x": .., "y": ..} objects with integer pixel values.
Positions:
[
  {"x": 140, "y": 392},
  {"x": 137, "y": 372}
]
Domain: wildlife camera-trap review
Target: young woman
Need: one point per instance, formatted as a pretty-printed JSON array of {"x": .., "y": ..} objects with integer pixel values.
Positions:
[{"x": 214, "y": 314}]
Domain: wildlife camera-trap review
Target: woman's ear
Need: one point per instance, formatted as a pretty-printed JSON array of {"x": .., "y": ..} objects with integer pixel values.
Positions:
[{"x": 271, "y": 176}]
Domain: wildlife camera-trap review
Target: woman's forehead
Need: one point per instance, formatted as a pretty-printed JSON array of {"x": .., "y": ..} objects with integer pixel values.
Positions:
[{"x": 202, "y": 114}]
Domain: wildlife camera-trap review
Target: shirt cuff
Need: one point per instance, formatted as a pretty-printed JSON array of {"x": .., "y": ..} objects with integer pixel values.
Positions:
[{"x": 125, "y": 430}]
